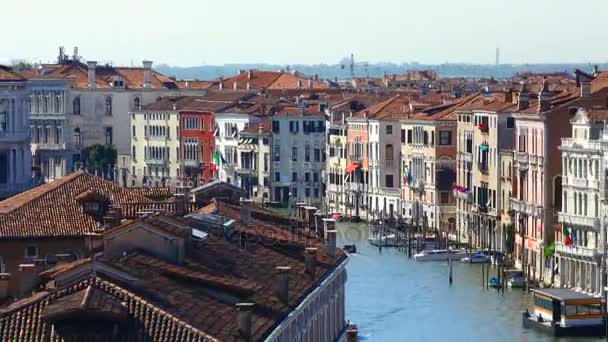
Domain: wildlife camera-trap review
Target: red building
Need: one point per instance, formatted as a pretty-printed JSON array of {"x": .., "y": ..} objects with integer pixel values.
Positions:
[{"x": 197, "y": 143}]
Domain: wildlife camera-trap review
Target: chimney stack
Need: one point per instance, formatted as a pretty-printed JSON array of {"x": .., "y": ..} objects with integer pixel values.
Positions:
[
  {"x": 28, "y": 279},
  {"x": 283, "y": 283},
  {"x": 91, "y": 74},
  {"x": 245, "y": 311},
  {"x": 180, "y": 204},
  {"x": 235, "y": 86},
  {"x": 310, "y": 260},
  {"x": 330, "y": 242},
  {"x": 544, "y": 97},
  {"x": 221, "y": 84},
  {"x": 585, "y": 88},
  {"x": 250, "y": 74},
  {"x": 147, "y": 74},
  {"x": 4, "y": 280},
  {"x": 310, "y": 84},
  {"x": 245, "y": 210},
  {"x": 328, "y": 224},
  {"x": 523, "y": 99}
]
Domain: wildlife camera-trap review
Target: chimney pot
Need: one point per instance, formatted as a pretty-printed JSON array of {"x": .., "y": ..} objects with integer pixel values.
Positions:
[
  {"x": 4, "y": 280},
  {"x": 147, "y": 74},
  {"x": 283, "y": 283},
  {"x": 92, "y": 65},
  {"x": 28, "y": 278},
  {"x": 585, "y": 89},
  {"x": 180, "y": 204},
  {"x": 310, "y": 260},
  {"x": 330, "y": 242},
  {"x": 245, "y": 210},
  {"x": 245, "y": 311}
]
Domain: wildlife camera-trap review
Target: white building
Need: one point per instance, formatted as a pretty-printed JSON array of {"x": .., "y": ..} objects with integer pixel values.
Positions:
[
  {"x": 584, "y": 194},
  {"x": 15, "y": 155},
  {"x": 227, "y": 128},
  {"x": 298, "y": 154},
  {"x": 253, "y": 169}
]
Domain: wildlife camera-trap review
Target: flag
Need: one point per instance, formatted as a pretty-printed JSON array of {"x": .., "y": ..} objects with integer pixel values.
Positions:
[
  {"x": 549, "y": 250},
  {"x": 216, "y": 161},
  {"x": 409, "y": 178},
  {"x": 223, "y": 160},
  {"x": 566, "y": 235}
]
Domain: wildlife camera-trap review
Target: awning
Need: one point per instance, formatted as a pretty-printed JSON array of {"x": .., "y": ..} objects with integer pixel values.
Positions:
[{"x": 352, "y": 167}]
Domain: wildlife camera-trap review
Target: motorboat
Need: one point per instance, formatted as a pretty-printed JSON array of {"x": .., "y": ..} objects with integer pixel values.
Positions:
[
  {"x": 516, "y": 281},
  {"x": 476, "y": 258},
  {"x": 350, "y": 248},
  {"x": 383, "y": 240},
  {"x": 494, "y": 282},
  {"x": 496, "y": 258},
  {"x": 439, "y": 255}
]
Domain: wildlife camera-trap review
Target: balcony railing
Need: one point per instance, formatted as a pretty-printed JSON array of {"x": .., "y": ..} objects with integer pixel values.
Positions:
[
  {"x": 51, "y": 147},
  {"x": 579, "y": 220},
  {"x": 518, "y": 205},
  {"x": 576, "y": 250},
  {"x": 390, "y": 191},
  {"x": 465, "y": 156},
  {"x": 521, "y": 157},
  {"x": 156, "y": 161}
]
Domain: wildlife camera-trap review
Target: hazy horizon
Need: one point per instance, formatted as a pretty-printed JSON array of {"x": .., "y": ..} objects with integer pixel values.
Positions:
[{"x": 194, "y": 33}]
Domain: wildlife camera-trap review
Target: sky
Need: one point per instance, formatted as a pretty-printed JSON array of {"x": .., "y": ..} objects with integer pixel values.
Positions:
[{"x": 214, "y": 32}]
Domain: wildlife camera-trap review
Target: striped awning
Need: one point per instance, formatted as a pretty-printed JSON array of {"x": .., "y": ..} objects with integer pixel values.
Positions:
[{"x": 247, "y": 145}]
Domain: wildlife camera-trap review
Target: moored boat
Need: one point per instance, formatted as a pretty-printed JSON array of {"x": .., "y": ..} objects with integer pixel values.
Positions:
[
  {"x": 439, "y": 255},
  {"x": 516, "y": 281},
  {"x": 494, "y": 282},
  {"x": 350, "y": 248},
  {"x": 475, "y": 258}
]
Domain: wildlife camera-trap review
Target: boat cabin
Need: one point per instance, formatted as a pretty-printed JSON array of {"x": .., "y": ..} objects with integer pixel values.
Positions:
[{"x": 566, "y": 313}]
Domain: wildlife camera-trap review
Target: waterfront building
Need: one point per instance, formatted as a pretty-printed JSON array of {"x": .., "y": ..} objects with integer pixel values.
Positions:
[
  {"x": 227, "y": 126},
  {"x": 253, "y": 170},
  {"x": 485, "y": 131},
  {"x": 428, "y": 166},
  {"x": 357, "y": 169},
  {"x": 15, "y": 155},
  {"x": 298, "y": 152},
  {"x": 580, "y": 236}
]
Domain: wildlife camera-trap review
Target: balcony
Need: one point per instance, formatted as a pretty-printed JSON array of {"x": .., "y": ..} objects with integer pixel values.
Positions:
[
  {"x": 51, "y": 147},
  {"x": 246, "y": 171},
  {"x": 581, "y": 251},
  {"x": 390, "y": 191},
  {"x": 521, "y": 158},
  {"x": 579, "y": 220},
  {"x": 518, "y": 205},
  {"x": 150, "y": 161}
]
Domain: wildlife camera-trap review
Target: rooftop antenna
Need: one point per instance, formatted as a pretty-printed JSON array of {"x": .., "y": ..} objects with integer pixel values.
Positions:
[{"x": 497, "y": 56}]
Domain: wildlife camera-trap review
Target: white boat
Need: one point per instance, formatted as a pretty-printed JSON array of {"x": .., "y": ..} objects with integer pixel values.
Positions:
[
  {"x": 516, "y": 281},
  {"x": 476, "y": 258},
  {"x": 383, "y": 240},
  {"x": 439, "y": 255}
]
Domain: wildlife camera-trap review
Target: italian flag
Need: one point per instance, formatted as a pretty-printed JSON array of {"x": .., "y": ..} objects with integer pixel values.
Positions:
[
  {"x": 216, "y": 161},
  {"x": 566, "y": 235}
]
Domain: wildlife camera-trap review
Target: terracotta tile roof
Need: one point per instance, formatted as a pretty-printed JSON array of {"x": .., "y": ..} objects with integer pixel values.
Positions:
[
  {"x": 196, "y": 299},
  {"x": 264, "y": 126},
  {"x": 7, "y": 74},
  {"x": 88, "y": 301},
  {"x": 263, "y": 79},
  {"x": 155, "y": 193},
  {"x": 194, "y": 84},
  {"x": 51, "y": 210}
]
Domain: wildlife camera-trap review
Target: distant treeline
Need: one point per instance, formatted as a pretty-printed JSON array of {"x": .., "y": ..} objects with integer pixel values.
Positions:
[{"x": 342, "y": 72}]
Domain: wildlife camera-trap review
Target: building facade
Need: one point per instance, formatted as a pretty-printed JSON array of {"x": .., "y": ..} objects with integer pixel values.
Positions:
[
  {"x": 227, "y": 128},
  {"x": 253, "y": 169},
  {"x": 15, "y": 155}
]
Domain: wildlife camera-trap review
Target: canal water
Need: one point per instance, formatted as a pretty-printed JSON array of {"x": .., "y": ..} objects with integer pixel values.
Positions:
[{"x": 393, "y": 298}]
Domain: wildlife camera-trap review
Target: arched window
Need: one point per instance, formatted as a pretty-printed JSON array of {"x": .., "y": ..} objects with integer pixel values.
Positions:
[
  {"x": 133, "y": 153},
  {"x": 426, "y": 137},
  {"x": 77, "y": 137},
  {"x": 136, "y": 103},
  {"x": 108, "y": 105},
  {"x": 388, "y": 152},
  {"x": 76, "y": 106}
]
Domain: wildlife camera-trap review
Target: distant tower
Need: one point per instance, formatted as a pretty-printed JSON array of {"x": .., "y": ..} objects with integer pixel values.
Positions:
[
  {"x": 352, "y": 66},
  {"x": 497, "y": 56}
]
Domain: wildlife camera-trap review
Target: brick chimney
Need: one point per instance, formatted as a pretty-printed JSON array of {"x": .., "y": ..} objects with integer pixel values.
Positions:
[
  {"x": 544, "y": 97},
  {"x": 283, "y": 283},
  {"x": 4, "y": 280},
  {"x": 245, "y": 210},
  {"x": 250, "y": 74},
  {"x": 245, "y": 313},
  {"x": 147, "y": 74},
  {"x": 180, "y": 204},
  {"x": 310, "y": 260},
  {"x": 328, "y": 224},
  {"x": 585, "y": 88},
  {"x": 91, "y": 74},
  {"x": 28, "y": 278}
]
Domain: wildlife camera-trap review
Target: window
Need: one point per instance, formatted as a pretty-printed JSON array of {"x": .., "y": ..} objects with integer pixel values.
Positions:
[
  {"x": 306, "y": 153},
  {"x": 294, "y": 192},
  {"x": 190, "y": 122},
  {"x": 317, "y": 155},
  {"x": 426, "y": 138},
  {"x": 294, "y": 154},
  {"x": 276, "y": 153},
  {"x": 388, "y": 152},
  {"x": 403, "y": 136},
  {"x": 108, "y": 105},
  {"x": 133, "y": 153},
  {"x": 389, "y": 129},
  {"x": 307, "y": 192},
  {"x": 136, "y": 103},
  {"x": 108, "y": 135},
  {"x": 76, "y": 106},
  {"x": 307, "y": 177},
  {"x": 31, "y": 252},
  {"x": 316, "y": 192},
  {"x": 275, "y": 127},
  {"x": 388, "y": 181},
  {"x": 277, "y": 176},
  {"x": 294, "y": 126},
  {"x": 409, "y": 136},
  {"x": 510, "y": 123},
  {"x": 77, "y": 137},
  {"x": 445, "y": 138},
  {"x": 294, "y": 176},
  {"x": 444, "y": 197},
  {"x": 315, "y": 177}
]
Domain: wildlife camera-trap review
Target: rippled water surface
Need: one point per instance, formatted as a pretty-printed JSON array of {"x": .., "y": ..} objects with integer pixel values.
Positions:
[{"x": 393, "y": 298}]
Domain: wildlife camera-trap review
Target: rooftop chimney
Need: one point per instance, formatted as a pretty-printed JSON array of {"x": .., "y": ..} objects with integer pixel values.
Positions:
[
  {"x": 596, "y": 70},
  {"x": 221, "y": 85},
  {"x": 310, "y": 261},
  {"x": 523, "y": 99},
  {"x": 245, "y": 311},
  {"x": 4, "y": 280},
  {"x": 248, "y": 85},
  {"x": 330, "y": 242},
  {"x": 28, "y": 278},
  {"x": 91, "y": 73},
  {"x": 283, "y": 283},
  {"x": 245, "y": 210},
  {"x": 310, "y": 84},
  {"x": 180, "y": 204},
  {"x": 544, "y": 97},
  {"x": 250, "y": 74},
  {"x": 235, "y": 86},
  {"x": 585, "y": 88},
  {"x": 147, "y": 74},
  {"x": 299, "y": 84},
  {"x": 328, "y": 224}
]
